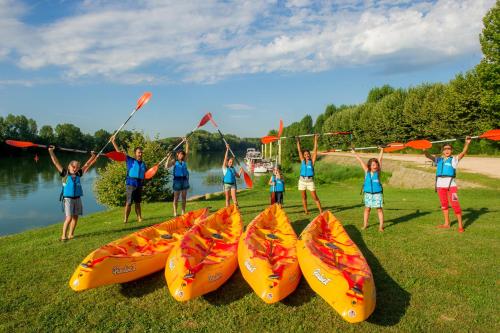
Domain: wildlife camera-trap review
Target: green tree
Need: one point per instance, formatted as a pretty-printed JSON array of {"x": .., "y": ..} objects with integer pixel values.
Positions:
[
  {"x": 489, "y": 67},
  {"x": 19, "y": 128},
  {"x": 47, "y": 135},
  {"x": 377, "y": 93}
]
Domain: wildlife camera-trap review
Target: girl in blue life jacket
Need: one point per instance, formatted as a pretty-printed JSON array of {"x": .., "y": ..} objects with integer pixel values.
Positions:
[
  {"x": 229, "y": 178},
  {"x": 306, "y": 180},
  {"x": 71, "y": 191},
  {"x": 277, "y": 184},
  {"x": 180, "y": 183},
  {"x": 446, "y": 188},
  {"x": 372, "y": 188}
]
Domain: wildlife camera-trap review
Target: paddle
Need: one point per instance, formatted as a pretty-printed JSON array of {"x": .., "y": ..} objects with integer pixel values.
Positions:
[
  {"x": 271, "y": 138},
  {"x": 154, "y": 169},
  {"x": 140, "y": 102},
  {"x": 493, "y": 135},
  {"x": 246, "y": 176},
  {"x": 114, "y": 155}
]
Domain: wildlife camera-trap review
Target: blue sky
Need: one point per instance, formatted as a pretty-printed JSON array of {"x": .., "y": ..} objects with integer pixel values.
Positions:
[{"x": 250, "y": 63}]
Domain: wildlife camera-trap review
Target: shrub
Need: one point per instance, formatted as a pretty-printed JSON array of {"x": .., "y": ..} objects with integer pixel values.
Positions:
[{"x": 110, "y": 184}]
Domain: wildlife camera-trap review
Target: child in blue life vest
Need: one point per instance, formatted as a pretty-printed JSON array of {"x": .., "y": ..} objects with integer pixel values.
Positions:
[
  {"x": 372, "y": 188},
  {"x": 306, "y": 180},
  {"x": 229, "y": 178},
  {"x": 71, "y": 191},
  {"x": 446, "y": 188},
  {"x": 134, "y": 181},
  {"x": 180, "y": 182},
  {"x": 277, "y": 184}
]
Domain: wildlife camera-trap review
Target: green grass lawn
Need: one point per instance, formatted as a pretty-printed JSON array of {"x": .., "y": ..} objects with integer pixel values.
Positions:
[{"x": 427, "y": 279}]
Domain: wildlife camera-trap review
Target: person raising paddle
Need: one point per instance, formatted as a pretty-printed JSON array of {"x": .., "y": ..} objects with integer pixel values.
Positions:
[
  {"x": 71, "y": 192},
  {"x": 180, "y": 182},
  {"x": 446, "y": 187},
  {"x": 229, "y": 178},
  {"x": 134, "y": 182},
  {"x": 306, "y": 180}
]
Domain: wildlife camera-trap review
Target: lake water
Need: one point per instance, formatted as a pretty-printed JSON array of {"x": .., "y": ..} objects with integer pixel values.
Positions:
[{"x": 29, "y": 190}]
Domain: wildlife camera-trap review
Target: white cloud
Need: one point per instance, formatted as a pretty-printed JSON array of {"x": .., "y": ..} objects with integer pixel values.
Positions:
[
  {"x": 148, "y": 41},
  {"x": 239, "y": 107}
]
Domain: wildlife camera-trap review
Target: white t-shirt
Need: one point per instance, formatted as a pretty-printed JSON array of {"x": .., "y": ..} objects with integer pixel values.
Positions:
[{"x": 445, "y": 181}]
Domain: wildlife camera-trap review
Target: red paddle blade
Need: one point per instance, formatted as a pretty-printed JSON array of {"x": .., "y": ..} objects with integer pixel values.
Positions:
[
  {"x": 116, "y": 156},
  {"x": 248, "y": 180},
  {"x": 151, "y": 172},
  {"x": 419, "y": 144},
  {"x": 211, "y": 119},
  {"x": 394, "y": 146},
  {"x": 269, "y": 139},
  {"x": 143, "y": 100},
  {"x": 491, "y": 134},
  {"x": 20, "y": 144},
  {"x": 280, "y": 130},
  {"x": 206, "y": 118}
]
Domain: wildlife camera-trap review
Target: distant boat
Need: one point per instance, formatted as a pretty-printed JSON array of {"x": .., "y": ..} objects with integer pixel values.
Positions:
[{"x": 256, "y": 163}]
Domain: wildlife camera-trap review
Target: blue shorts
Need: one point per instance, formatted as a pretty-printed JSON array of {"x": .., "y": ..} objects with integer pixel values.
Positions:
[{"x": 180, "y": 184}]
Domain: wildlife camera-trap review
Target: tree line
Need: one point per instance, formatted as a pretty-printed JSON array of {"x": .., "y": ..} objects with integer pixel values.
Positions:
[{"x": 469, "y": 104}]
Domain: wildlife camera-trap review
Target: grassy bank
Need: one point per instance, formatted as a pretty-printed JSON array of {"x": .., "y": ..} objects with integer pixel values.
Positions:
[{"x": 426, "y": 278}]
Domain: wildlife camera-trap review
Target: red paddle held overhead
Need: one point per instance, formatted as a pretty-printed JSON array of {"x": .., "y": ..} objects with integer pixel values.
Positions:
[{"x": 154, "y": 169}]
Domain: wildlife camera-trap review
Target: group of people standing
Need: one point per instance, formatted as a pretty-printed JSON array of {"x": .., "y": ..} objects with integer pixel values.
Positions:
[{"x": 372, "y": 187}]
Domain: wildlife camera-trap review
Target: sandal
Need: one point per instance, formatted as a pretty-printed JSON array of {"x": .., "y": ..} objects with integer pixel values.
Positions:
[
  {"x": 461, "y": 230},
  {"x": 63, "y": 239}
]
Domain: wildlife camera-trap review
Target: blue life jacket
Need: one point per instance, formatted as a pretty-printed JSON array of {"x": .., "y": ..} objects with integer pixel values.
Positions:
[
  {"x": 72, "y": 188},
  {"x": 137, "y": 170},
  {"x": 445, "y": 167},
  {"x": 372, "y": 183},
  {"x": 230, "y": 176},
  {"x": 307, "y": 169},
  {"x": 180, "y": 169},
  {"x": 279, "y": 185}
]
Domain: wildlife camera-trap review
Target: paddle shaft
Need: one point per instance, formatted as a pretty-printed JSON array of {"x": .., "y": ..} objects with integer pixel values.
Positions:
[
  {"x": 118, "y": 130},
  {"x": 308, "y": 135},
  {"x": 227, "y": 145},
  {"x": 169, "y": 150}
]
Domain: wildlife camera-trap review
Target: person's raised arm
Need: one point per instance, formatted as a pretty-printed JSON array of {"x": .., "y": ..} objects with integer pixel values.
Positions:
[
  {"x": 429, "y": 155},
  {"x": 225, "y": 156},
  {"x": 380, "y": 156},
  {"x": 90, "y": 162},
  {"x": 54, "y": 159},
  {"x": 113, "y": 141},
  {"x": 270, "y": 182},
  {"x": 466, "y": 147},
  {"x": 299, "y": 149},
  {"x": 238, "y": 174},
  {"x": 315, "y": 149},
  {"x": 363, "y": 165}
]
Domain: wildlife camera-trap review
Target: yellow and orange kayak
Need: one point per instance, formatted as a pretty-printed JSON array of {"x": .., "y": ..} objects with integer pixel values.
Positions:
[
  {"x": 134, "y": 256},
  {"x": 336, "y": 269},
  {"x": 267, "y": 255},
  {"x": 206, "y": 256}
]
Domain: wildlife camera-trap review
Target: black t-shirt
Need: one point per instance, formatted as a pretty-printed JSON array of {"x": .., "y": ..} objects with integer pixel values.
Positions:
[{"x": 64, "y": 173}]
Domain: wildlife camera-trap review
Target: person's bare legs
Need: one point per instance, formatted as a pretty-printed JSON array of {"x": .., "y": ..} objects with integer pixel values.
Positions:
[
  {"x": 446, "y": 215},
  {"x": 127, "y": 212},
  {"x": 184, "y": 198},
  {"x": 304, "y": 201},
  {"x": 380, "y": 213},
  {"x": 366, "y": 215},
  {"x": 233, "y": 195},
  {"x": 67, "y": 221},
  {"x": 316, "y": 199},
  {"x": 72, "y": 226},
  {"x": 138, "y": 212},
  {"x": 227, "y": 197},
  {"x": 176, "y": 199}
]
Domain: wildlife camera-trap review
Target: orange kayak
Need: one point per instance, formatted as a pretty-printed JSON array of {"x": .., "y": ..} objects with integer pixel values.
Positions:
[
  {"x": 268, "y": 257},
  {"x": 336, "y": 269},
  {"x": 206, "y": 256},
  {"x": 134, "y": 256}
]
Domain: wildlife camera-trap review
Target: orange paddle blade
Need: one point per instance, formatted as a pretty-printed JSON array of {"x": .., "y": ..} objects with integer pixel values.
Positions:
[
  {"x": 269, "y": 139},
  {"x": 151, "y": 171},
  {"x": 280, "y": 130},
  {"x": 394, "y": 146},
  {"x": 248, "y": 180},
  {"x": 493, "y": 134},
  {"x": 419, "y": 144},
  {"x": 20, "y": 144},
  {"x": 143, "y": 100},
  {"x": 212, "y": 119},
  {"x": 206, "y": 118},
  {"x": 116, "y": 156}
]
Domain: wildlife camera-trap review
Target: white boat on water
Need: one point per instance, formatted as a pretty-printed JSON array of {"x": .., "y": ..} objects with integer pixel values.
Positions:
[{"x": 256, "y": 163}]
